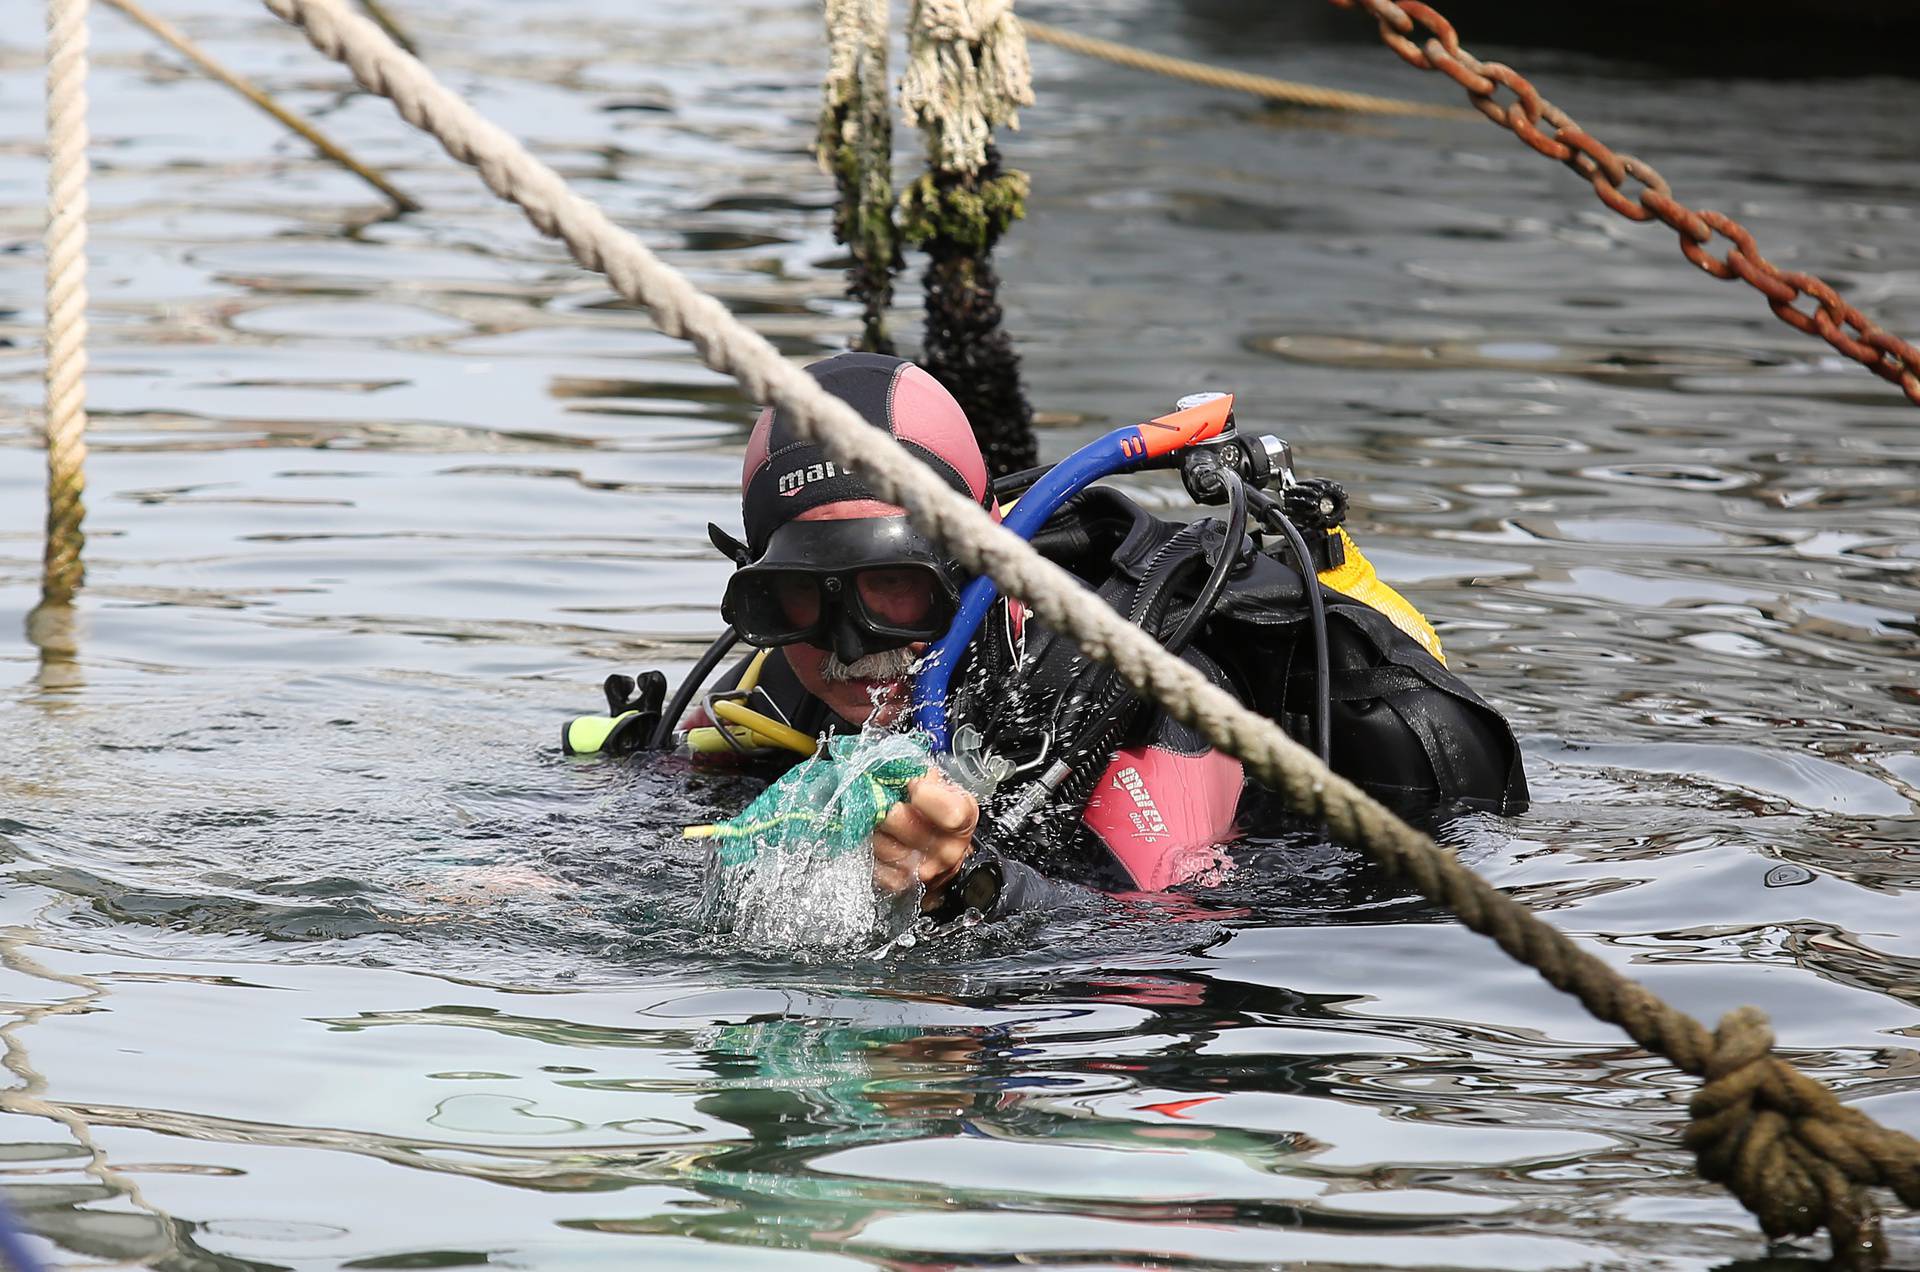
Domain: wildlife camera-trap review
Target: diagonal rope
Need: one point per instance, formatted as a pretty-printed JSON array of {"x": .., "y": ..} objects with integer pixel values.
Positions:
[
  {"x": 1783, "y": 1142},
  {"x": 175, "y": 39},
  {"x": 66, "y": 306}
]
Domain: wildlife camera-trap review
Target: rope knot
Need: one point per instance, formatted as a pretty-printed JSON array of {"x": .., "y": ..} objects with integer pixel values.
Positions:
[{"x": 1784, "y": 1144}]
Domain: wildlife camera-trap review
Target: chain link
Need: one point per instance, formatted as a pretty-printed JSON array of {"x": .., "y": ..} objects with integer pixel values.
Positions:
[{"x": 1424, "y": 38}]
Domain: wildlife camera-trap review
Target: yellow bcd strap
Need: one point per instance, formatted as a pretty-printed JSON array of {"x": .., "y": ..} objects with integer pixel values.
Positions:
[
  {"x": 776, "y": 734},
  {"x": 1356, "y": 578},
  {"x": 749, "y": 729},
  {"x": 754, "y": 730}
]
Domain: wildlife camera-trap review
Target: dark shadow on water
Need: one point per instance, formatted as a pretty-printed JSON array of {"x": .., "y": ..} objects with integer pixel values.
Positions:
[{"x": 1769, "y": 39}]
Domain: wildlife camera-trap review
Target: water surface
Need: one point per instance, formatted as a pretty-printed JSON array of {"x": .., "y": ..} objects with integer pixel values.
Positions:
[{"x": 325, "y": 958}]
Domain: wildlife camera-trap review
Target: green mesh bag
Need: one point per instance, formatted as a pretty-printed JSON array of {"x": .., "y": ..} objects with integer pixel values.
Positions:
[
  {"x": 794, "y": 872},
  {"x": 833, "y": 801}
]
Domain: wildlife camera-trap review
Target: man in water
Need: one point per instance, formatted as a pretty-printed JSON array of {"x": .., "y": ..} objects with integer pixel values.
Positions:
[{"x": 845, "y": 595}]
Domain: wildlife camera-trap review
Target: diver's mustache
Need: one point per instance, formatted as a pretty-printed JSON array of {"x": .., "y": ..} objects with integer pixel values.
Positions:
[{"x": 888, "y": 664}]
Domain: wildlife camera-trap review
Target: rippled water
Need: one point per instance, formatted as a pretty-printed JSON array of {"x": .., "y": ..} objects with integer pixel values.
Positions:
[{"x": 329, "y": 959}]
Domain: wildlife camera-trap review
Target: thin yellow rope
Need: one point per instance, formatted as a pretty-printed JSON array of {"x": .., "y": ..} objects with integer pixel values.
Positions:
[{"x": 1262, "y": 86}]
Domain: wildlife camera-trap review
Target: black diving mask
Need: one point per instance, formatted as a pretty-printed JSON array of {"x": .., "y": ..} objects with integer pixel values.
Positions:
[{"x": 856, "y": 587}]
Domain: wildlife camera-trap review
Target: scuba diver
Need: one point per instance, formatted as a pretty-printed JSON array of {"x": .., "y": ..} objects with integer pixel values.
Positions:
[{"x": 1089, "y": 786}]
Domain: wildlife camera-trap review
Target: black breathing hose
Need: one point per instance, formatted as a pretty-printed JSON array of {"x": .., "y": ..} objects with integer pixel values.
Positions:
[
  {"x": 1108, "y": 701},
  {"x": 1274, "y": 515},
  {"x": 1019, "y": 483},
  {"x": 1216, "y": 580},
  {"x": 1111, "y": 703},
  {"x": 663, "y": 731}
]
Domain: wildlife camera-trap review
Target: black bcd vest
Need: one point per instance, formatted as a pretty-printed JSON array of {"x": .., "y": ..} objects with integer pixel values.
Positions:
[{"x": 1404, "y": 728}]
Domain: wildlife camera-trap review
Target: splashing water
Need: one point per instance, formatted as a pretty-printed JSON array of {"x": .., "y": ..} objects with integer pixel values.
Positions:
[{"x": 793, "y": 874}]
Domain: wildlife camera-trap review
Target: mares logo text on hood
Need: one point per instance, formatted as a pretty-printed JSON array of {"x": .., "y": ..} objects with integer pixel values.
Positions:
[{"x": 800, "y": 478}]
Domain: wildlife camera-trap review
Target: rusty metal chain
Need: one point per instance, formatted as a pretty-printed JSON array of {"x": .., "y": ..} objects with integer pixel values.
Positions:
[{"x": 1427, "y": 40}]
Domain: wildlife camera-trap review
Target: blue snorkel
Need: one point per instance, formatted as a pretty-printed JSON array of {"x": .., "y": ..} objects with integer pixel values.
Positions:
[{"x": 1124, "y": 449}]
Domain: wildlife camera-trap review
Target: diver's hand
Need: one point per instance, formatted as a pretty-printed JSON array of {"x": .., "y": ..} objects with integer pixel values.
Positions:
[{"x": 926, "y": 838}]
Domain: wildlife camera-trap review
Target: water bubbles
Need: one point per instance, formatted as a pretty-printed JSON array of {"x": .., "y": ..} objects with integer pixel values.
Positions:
[{"x": 919, "y": 930}]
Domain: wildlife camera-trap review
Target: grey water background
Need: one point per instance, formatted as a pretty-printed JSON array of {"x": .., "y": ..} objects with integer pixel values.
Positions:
[{"x": 325, "y": 958}]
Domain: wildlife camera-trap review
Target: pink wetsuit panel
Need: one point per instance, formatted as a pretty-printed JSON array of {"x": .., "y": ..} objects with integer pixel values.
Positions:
[{"x": 1162, "y": 813}]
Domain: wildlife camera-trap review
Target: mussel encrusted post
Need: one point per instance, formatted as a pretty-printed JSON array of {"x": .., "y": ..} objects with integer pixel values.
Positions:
[{"x": 967, "y": 74}]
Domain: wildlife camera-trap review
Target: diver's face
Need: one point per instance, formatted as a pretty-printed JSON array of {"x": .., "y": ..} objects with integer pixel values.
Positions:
[{"x": 873, "y": 688}]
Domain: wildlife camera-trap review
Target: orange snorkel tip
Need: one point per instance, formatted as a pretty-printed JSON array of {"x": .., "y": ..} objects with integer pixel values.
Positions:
[{"x": 1179, "y": 429}]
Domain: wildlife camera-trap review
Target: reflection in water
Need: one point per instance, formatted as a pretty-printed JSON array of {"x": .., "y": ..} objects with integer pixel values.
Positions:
[
  {"x": 64, "y": 1214},
  {"x": 801, "y": 1090},
  {"x": 54, "y": 631},
  {"x": 54, "y": 1210}
]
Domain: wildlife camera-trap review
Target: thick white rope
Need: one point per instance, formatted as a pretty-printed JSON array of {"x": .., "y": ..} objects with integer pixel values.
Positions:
[
  {"x": 967, "y": 74},
  {"x": 66, "y": 303}
]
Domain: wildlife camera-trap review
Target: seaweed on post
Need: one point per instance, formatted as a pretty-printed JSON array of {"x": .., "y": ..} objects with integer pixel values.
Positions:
[{"x": 855, "y": 146}]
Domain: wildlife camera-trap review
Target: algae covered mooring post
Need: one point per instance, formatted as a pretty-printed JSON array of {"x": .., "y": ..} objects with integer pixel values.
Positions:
[
  {"x": 856, "y": 146},
  {"x": 967, "y": 74}
]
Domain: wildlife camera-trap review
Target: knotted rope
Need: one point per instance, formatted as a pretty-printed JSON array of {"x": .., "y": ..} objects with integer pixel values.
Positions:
[
  {"x": 1780, "y": 1140},
  {"x": 66, "y": 305}
]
